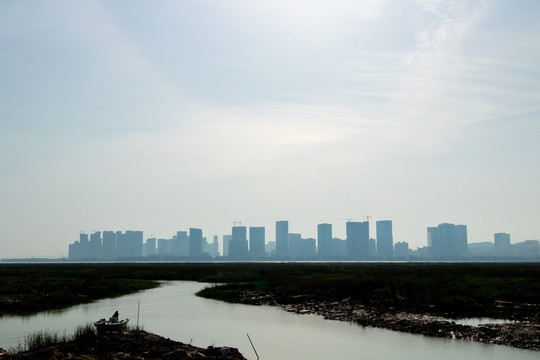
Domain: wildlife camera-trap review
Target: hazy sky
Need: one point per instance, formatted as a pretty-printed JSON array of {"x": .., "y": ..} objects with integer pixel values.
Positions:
[{"x": 160, "y": 116}]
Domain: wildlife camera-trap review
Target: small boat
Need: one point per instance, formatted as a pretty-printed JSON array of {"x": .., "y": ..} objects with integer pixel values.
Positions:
[{"x": 113, "y": 324}]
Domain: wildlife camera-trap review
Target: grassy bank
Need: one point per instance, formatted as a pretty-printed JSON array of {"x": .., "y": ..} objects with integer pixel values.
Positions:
[
  {"x": 461, "y": 289},
  {"x": 26, "y": 288},
  {"x": 41, "y": 339}
]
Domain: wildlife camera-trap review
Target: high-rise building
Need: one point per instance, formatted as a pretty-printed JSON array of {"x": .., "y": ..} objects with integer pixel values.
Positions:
[
  {"x": 372, "y": 248},
  {"x": 300, "y": 248},
  {"x": 195, "y": 243},
  {"x": 213, "y": 249},
  {"x": 270, "y": 248},
  {"x": 294, "y": 245},
  {"x": 282, "y": 239},
  {"x": 324, "y": 239},
  {"x": 461, "y": 244},
  {"x": 135, "y": 243},
  {"x": 84, "y": 246},
  {"x": 357, "y": 239},
  {"x": 431, "y": 234},
  {"x": 164, "y": 247},
  {"x": 180, "y": 244},
  {"x": 149, "y": 246},
  {"x": 109, "y": 245},
  {"x": 122, "y": 245},
  {"x": 226, "y": 242},
  {"x": 502, "y": 243},
  {"x": 256, "y": 242},
  {"x": 401, "y": 250},
  {"x": 385, "y": 240},
  {"x": 74, "y": 251},
  {"x": 238, "y": 247},
  {"x": 447, "y": 241},
  {"x": 95, "y": 245},
  {"x": 339, "y": 247}
]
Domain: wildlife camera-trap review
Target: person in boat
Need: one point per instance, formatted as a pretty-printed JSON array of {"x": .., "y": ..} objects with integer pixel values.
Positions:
[{"x": 116, "y": 315}]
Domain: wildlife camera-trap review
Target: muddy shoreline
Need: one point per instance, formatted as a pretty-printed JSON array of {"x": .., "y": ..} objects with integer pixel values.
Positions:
[{"x": 523, "y": 332}]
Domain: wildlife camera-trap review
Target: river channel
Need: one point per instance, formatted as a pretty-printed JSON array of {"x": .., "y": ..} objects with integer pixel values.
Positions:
[{"x": 174, "y": 311}]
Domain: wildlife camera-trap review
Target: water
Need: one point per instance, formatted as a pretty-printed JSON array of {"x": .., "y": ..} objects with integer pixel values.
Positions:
[
  {"x": 479, "y": 321},
  {"x": 173, "y": 311}
]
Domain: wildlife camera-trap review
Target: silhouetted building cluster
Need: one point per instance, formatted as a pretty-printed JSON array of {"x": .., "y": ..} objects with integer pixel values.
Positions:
[
  {"x": 444, "y": 242},
  {"x": 501, "y": 248},
  {"x": 292, "y": 246},
  {"x": 129, "y": 245},
  {"x": 238, "y": 246},
  {"x": 113, "y": 245}
]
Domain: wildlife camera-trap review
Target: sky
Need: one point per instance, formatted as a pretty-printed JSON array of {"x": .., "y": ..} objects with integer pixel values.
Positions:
[{"x": 161, "y": 116}]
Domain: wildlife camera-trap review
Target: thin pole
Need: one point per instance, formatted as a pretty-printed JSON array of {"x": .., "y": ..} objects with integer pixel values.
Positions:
[
  {"x": 138, "y": 310},
  {"x": 253, "y": 346}
]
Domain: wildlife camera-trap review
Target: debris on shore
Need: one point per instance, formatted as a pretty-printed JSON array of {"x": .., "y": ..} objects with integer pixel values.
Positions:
[
  {"x": 523, "y": 333},
  {"x": 129, "y": 344}
]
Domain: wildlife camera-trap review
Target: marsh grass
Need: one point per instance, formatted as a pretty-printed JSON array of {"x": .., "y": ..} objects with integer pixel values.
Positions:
[{"x": 42, "y": 339}]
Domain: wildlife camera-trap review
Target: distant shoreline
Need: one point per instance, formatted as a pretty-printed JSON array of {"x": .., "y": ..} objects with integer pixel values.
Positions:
[{"x": 479, "y": 259}]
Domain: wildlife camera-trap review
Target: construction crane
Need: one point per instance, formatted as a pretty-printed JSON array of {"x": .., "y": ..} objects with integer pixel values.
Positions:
[
  {"x": 239, "y": 222},
  {"x": 348, "y": 219},
  {"x": 366, "y": 216}
]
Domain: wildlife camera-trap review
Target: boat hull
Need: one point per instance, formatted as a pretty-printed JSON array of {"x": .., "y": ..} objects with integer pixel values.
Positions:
[{"x": 108, "y": 326}]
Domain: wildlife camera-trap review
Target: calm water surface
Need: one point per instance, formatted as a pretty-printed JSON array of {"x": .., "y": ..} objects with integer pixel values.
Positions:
[{"x": 173, "y": 311}]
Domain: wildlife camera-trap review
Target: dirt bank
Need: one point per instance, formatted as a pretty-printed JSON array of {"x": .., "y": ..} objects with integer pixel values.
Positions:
[{"x": 126, "y": 345}]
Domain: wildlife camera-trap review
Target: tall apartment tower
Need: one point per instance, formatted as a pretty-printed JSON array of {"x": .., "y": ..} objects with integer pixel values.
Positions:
[
  {"x": 109, "y": 245},
  {"x": 256, "y": 242},
  {"x": 149, "y": 247},
  {"x": 95, "y": 245},
  {"x": 502, "y": 243},
  {"x": 84, "y": 246},
  {"x": 195, "y": 242},
  {"x": 461, "y": 242},
  {"x": 226, "y": 241},
  {"x": 135, "y": 243},
  {"x": 238, "y": 247},
  {"x": 180, "y": 244},
  {"x": 447, "y": 241},
  {"x": 324, "y": 240},
  {"x": 282, "y": 238},
  {"x": 357, "y": 239},
  {"x": 385, "y": 240}
]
